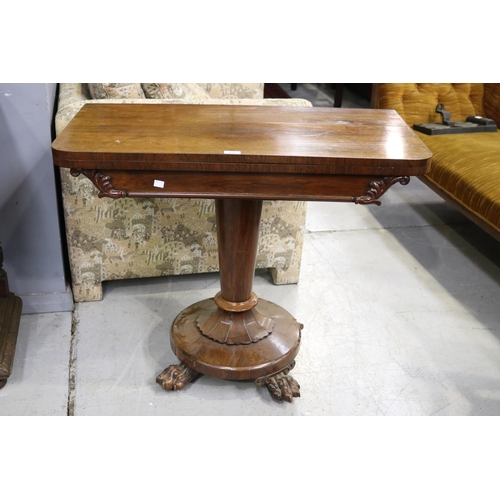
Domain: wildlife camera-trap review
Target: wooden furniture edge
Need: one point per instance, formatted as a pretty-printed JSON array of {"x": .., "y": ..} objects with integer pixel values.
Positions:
[
  {"x": 475, "y": 218},
  {"x": 10, "y": 315}
]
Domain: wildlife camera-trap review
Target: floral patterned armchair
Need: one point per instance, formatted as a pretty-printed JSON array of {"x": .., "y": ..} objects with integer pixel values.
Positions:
[{"x": 145, "y": 237}]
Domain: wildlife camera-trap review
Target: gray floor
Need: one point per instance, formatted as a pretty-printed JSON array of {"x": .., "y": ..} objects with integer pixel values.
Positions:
[{"x": 400, "y": 307}]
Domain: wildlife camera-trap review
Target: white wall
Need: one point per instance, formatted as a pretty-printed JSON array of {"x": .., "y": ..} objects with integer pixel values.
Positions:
[{"x": 30, "y": 229}]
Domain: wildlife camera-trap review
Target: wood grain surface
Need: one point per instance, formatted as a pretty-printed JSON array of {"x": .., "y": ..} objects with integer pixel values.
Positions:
[{"x": 240, "y": 138}]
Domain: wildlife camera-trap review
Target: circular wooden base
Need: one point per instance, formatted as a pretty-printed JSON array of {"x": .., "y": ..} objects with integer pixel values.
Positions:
[{"x": 235, "y": 362}]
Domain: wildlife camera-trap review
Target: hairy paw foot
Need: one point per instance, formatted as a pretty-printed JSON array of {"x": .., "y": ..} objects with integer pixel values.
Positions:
[{"x": 175, "y": 377}]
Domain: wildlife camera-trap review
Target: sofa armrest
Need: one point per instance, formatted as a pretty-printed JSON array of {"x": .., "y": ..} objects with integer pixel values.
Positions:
[{"x": 492, "y": 101}]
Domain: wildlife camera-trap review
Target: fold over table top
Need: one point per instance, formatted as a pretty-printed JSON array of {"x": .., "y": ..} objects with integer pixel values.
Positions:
[{"x": 220, "y": 138}]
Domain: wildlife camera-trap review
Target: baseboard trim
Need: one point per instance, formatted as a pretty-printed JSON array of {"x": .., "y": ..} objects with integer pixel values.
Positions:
[{"x": 39, "y": 303}]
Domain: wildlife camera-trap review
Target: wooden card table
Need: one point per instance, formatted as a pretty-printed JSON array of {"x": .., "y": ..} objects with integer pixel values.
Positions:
[{"x": 240, "y": 156}]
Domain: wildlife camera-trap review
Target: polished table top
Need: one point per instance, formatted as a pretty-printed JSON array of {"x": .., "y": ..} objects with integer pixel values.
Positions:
[
  {"x": 255, "y": 152},
  {"x": 256, "y": 138}
]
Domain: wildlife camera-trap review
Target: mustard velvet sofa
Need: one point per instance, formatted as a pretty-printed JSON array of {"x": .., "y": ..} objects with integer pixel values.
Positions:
[
  {"x": 132, "y": 238},
  {"x": 465, "y": 168}
]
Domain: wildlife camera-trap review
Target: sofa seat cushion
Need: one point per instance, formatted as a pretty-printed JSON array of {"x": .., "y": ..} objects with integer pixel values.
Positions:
[{"x": 467, "y": 167}]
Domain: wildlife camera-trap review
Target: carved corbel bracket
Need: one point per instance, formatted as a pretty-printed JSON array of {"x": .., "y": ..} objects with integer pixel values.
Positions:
[
  {"x": 378, "y": 188},
  {"x": 102, "y": 182}
]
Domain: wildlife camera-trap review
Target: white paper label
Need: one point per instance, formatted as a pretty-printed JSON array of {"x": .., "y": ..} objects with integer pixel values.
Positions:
[
  {"x": 232, "y": 152},
  {"x": 158, "y": 184}
]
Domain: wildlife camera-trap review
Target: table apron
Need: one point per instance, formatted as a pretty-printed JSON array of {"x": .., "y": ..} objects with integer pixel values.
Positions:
[{"x": 361, "y": 189}]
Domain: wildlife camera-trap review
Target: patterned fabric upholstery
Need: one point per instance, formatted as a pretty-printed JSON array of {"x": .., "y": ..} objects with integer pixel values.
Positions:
[
  {"x": 234, "y": 90},
  {"x": 187, "y": 91},
  {"x": 145, "y": 237},
  {"x": 116, "y": 90},
  {"x": 465, "y": 166}
]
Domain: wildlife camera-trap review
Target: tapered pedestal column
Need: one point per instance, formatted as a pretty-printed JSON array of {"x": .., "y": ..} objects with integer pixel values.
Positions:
[{"x": 236, "y": 335}]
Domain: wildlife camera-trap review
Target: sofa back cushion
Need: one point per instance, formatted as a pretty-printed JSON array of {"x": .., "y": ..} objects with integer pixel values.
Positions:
[
  {"x": 416, "y": 102},
  {"x": 115, "y": 90},
  {"x": 186, "y": 91}
]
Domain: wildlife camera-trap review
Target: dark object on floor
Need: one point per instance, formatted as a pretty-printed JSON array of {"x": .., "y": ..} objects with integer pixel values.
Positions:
[
  {"x": 471, "y": 124},
  {"x": 10, "y": 314}
]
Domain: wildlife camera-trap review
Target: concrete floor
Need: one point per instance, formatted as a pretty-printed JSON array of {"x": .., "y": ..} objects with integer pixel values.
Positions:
[{"x": 400, "y": 307}]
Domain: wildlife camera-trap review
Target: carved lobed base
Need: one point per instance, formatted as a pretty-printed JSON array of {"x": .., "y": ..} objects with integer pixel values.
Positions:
[
  {"x": 267, "y": 361},
  {"x": 234, "y": 328}
]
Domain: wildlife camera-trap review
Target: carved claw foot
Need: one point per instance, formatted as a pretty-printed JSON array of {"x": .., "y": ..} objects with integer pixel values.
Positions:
[
  {"x": 175, "y": 377},
  {"x": 281, "y": 386}
]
